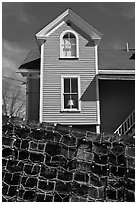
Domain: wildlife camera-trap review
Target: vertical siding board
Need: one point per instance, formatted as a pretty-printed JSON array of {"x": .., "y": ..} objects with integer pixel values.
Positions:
[{"x": 53, "y": 68}]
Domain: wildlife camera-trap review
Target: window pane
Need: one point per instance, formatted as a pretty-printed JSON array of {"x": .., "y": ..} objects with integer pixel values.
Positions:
[
  {"x": 75, "y": 100},
  {"x": 73, "y": 46},
  {"x": 69, "y": 45},
  {"x": 71, "y": 35},
  {"x": 66, "y": 85},
  {"x": 67, "y": 48},
  {"x": 69, "y": 53},
  {"x": 73, "y": 41},
  {"x": 73, "y": 50},
  {"x": 74, "y": 85},
  {"x": 66, "y": 99},
  {"x": 64, "y": 53},
  {"x": 73, "y": 103},
  {"x": 65, "y": 36}
]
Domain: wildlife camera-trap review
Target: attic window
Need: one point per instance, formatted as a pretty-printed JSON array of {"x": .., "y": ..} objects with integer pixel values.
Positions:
[{"x": 69, "y": 45}]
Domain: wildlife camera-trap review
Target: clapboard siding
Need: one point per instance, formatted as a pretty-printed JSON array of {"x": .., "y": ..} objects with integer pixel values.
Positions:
[{"x": 54, "y": 67}]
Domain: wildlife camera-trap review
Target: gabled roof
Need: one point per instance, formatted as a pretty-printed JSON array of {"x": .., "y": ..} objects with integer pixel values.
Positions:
[
  {"x": 116, "y": 59},
  {"x": 69, "y": 15}
]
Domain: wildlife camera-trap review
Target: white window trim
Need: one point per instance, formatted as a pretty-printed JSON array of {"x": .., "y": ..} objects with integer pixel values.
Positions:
[
  {"x": 62, "y": 92},
  {"x": 77, "y": 44}
]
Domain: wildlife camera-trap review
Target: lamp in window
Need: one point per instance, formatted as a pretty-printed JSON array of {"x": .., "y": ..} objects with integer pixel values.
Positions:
[{"x": 70, "y": 103}]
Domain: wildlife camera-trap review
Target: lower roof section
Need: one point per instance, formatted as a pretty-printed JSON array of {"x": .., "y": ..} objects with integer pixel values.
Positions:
[{"x": 116, "y": 59}]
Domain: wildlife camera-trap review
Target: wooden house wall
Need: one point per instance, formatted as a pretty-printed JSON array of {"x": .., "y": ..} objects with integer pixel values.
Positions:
[{"x": 54, "y": 67}]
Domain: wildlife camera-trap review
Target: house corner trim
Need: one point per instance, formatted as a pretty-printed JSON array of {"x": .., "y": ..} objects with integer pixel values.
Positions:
[
  {"x": 41, "y": 83},
  {"x": 97, "y": 90}
]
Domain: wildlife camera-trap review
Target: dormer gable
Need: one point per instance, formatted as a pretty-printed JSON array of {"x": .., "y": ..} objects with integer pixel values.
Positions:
[{"x": 69, "y": 17}]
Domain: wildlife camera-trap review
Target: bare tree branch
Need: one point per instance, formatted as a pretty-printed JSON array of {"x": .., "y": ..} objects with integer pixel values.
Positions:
[{"x": 13, "y": 102}]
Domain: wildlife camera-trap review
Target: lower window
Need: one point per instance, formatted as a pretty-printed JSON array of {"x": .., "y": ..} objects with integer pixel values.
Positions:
[{"x": 70, "y": 93}]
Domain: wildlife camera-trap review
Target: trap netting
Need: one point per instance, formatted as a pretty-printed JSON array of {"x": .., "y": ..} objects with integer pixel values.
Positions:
[{"x": 57, "y": 164}]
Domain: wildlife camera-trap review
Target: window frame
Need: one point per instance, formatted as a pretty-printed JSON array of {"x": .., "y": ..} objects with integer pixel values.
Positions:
[
  {"x": 61, "y": 43},
  {"x": 62, "y": 94}
]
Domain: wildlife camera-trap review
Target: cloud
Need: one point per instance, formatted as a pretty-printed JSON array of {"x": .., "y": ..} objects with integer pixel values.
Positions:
[
  {"x": 115, "y": 45},
  {"x": 12, "y": 56},
  {"x": 129, "y": 10},
  {"x": 124, "y": 9},
  {"x": 15, "y": 10}
]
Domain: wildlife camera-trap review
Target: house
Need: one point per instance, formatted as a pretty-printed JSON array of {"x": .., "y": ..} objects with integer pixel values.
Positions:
[{"x": 69, "y": 82}]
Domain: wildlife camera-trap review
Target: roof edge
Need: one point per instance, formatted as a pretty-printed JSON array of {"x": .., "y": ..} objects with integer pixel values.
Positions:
[
  {"x": 79, "y": 21},
  {"x": 116, "y": 71}
]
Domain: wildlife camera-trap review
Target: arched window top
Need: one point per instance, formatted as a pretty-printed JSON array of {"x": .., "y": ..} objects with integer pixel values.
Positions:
[
  {"x": 69, "y": 35},
  {"x": 72, "y": 32},
  {"x": 69, "y": 44}
]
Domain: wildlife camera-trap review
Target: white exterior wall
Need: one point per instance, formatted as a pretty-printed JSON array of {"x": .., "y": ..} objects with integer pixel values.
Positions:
[{"x": 52, "y": 69}]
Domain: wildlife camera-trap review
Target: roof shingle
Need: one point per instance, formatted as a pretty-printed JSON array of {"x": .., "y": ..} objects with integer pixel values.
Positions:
[{"x": 115, "y": 60}]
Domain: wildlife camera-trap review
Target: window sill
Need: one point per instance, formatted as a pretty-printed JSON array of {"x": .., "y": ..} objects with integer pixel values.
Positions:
[
  {"x": 68, "y": 58},
  {"x": 70, "y": 111}
]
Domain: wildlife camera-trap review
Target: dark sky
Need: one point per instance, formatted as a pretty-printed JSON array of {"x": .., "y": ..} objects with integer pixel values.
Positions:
[{"x": 20, "y": 22}]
